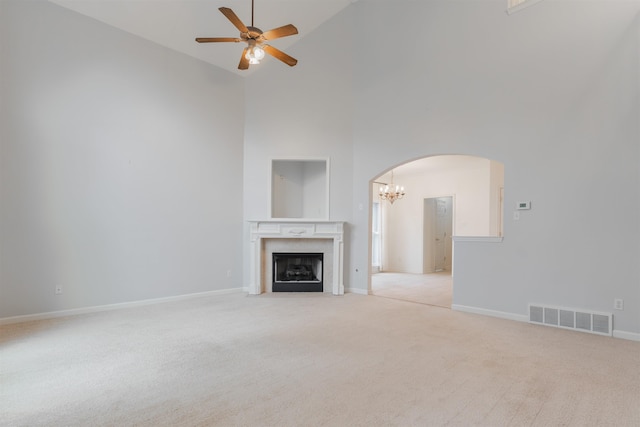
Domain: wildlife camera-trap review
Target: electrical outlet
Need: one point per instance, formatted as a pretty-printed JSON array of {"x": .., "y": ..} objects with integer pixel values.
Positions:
[
  {"x": 58, "y": 290},
  {"x": 618, "y": 304}
]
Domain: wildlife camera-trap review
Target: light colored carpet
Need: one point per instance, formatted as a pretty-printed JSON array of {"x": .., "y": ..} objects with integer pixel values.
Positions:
[
  {"x": 433, "y": 289},
  {"x": 311, "y": 360}
]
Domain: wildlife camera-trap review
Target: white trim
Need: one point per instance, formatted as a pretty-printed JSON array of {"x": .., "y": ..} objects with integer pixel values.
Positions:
[
  {"x": 484, "y": 239},
  {"x": 356, "y": 291},
  {"x": 491, "y": 313},
  {"x": 296, "y": 220},
  {"x": 631, "y": 336},
  {"x": 520, "y": 5},
  {"x": 108, "y": 307}
]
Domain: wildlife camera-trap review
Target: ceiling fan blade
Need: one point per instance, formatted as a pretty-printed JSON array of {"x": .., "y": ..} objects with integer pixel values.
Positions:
[
  {"x": 217, "y": 39},
  {"x": 276, "y": 33},
  {"x": 244, "y": 62},
  {"x": 234, "y": 19},
  {"x": 290, "y": 61}
]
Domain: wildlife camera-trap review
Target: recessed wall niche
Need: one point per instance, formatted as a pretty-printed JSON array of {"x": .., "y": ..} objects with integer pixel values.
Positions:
[{"x": 300, "y": 189}]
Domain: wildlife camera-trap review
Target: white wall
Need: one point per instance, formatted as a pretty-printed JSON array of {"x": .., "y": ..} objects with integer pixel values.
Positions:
[
  {"x": 111, "y": 152},
  {"x": 550, "y": 92},
  {"x": 302, "y": 112},
  {"x": 287, "y": 190},
  {"x": 314, "y": 197}
]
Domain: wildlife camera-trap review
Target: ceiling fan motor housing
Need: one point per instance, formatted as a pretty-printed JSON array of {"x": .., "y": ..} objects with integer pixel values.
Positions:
[{"x": 253, "y": 33}]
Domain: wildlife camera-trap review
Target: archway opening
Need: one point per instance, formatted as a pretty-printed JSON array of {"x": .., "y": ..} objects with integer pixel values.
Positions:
[{"x": 411, "y": 244}]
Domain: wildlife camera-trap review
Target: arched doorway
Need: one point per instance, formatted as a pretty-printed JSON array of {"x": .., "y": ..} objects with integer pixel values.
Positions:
[{"x": 411, "y": 245}]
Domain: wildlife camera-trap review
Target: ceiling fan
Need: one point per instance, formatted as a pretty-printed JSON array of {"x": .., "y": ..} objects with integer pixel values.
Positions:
[{"x": 256, "y": 40}]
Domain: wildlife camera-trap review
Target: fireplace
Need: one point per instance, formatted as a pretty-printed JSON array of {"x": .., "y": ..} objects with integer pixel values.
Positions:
[
  {"x": 296, "y": 237},
  {"x": 297, "y": 272}
]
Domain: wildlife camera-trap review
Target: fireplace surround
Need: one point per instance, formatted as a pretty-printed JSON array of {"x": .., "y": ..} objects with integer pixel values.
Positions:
[{"x": 292, "y": 236}]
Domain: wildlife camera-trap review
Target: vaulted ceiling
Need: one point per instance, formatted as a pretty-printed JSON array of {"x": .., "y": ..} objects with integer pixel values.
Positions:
[{"x": 176, "y": 23}]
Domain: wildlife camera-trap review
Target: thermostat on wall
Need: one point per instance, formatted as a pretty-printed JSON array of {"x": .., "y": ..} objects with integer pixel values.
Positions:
[{"x": 524, "y": 205}]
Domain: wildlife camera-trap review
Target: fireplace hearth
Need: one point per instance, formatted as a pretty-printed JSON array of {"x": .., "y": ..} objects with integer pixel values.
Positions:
[{"x": 297, "y": 272}]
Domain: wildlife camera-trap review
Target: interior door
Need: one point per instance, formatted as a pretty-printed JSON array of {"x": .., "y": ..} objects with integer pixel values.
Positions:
[
  {"x": 438, "y": 229},
  {"x": 429, "y": 236},
  {"x": 441, "y": 234}
]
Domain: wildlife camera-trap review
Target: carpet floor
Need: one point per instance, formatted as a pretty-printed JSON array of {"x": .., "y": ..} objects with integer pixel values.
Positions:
[
  {"x": 311, "y": 360},
  {"x": 432, "y": 289}
]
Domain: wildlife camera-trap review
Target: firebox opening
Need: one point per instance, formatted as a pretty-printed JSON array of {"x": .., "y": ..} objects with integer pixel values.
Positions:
[{"x": 297, "y": 272}]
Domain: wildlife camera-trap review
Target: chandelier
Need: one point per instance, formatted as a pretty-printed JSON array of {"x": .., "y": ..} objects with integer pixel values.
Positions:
[{"x": 391, "y": 192}]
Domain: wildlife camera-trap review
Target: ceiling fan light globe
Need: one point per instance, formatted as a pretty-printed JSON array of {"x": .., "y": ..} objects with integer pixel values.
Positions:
[{"x": 258, "y": 53}]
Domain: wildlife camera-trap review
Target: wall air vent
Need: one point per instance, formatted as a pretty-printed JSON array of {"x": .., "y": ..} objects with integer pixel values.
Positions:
[{"x": 574, "y": 319}]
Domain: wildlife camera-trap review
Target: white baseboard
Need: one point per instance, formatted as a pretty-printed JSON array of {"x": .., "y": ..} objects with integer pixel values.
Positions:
[
  {"x": 356, "y": 291},
  {"x": 99, "y": 308},
  {"x": 631, "y": 336},
  {"x": 491, "y": 313}
]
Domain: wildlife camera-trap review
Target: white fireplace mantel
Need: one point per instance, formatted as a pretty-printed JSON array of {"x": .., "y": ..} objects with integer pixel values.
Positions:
[{"x": 295, "y": 229}]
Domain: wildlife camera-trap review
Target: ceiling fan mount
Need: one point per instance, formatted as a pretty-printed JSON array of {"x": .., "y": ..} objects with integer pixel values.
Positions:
[{"x": 256, "y": 40}]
